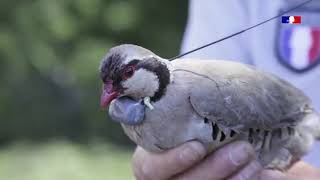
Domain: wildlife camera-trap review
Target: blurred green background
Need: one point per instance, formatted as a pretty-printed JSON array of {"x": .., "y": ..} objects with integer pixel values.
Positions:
[{"x": 51, "y": 124}]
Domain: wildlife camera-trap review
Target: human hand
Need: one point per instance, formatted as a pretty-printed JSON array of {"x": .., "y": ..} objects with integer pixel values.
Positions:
[
  {"x": 299, "y": 171},
  {"x": 233, "y": 161}
]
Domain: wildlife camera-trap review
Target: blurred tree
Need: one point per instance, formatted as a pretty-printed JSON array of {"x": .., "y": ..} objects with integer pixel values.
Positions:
[{"x": 49, "y": 56}]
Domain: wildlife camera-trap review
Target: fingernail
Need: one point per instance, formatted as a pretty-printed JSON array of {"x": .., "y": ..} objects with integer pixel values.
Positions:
[
  {"x": 193, "y": 152},
  {"x": 241, "y": 153}
]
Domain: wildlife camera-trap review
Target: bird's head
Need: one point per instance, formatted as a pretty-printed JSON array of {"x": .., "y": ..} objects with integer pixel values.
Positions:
[{"x": 133, "y": 71}]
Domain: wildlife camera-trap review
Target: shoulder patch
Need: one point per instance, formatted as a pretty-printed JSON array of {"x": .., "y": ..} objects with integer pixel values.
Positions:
[{"x": 298, "y": 45}]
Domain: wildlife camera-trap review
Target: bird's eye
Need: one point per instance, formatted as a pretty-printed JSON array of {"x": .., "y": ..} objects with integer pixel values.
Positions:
[{"x": 128, "y": 72}]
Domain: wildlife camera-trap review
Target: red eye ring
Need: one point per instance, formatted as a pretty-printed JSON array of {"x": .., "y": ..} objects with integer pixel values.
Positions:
[{"x": 128, "y": 72}]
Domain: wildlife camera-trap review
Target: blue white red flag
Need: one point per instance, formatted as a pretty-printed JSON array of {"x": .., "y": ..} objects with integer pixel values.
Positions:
[{"x": 291, "y": 19}]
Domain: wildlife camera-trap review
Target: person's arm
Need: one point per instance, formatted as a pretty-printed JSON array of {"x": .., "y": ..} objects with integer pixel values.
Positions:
[{"x": 210, "y": 20}]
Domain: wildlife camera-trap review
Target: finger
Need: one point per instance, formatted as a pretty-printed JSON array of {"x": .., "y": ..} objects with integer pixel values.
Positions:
[
  {"x": 148, "y": 166},
  {"x": 221, "y": 164},
  {"x": 249, "y": 172}
]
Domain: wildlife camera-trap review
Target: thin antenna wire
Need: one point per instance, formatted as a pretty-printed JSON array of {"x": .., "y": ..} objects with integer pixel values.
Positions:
[{"x": 240, "y": 32}]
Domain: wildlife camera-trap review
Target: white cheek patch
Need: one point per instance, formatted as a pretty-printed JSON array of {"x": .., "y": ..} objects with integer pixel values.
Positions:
[{"x": 143, "y": 83}]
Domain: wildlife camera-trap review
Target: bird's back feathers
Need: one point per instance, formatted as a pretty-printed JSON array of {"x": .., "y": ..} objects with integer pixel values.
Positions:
[{"x": 239, "y": 96}]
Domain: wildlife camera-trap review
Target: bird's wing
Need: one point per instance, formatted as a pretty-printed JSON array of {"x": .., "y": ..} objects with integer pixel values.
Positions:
[{"x": 248, "y": 99}]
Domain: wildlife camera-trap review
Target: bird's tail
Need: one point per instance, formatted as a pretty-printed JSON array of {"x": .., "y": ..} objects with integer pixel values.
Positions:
[{"x": 312, "y": 121}]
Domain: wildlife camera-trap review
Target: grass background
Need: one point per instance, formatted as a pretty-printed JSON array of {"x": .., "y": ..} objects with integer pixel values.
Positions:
[
  {"x": 63, "y": 160},
  {"x": 50, "y": 51}
]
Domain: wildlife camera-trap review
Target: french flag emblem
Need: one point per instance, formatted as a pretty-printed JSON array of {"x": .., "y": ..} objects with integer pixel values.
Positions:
[
  {"x": 291, "y": 19},
  {"x": 299, "y": 47}
]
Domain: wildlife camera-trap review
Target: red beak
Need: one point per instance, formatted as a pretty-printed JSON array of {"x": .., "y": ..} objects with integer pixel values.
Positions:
[{"x": 108, "y": 94}]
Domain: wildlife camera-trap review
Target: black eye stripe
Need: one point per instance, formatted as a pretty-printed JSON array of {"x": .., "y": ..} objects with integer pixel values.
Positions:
[
  {"x": 123, "y": 72},
  {"x": 111, "y": 66},
  {"x": 133, "y": 62}
]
